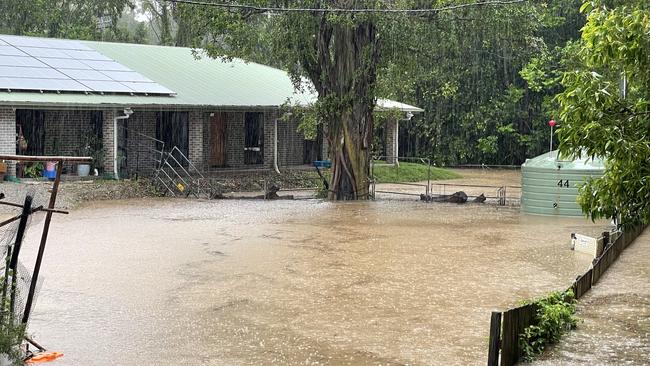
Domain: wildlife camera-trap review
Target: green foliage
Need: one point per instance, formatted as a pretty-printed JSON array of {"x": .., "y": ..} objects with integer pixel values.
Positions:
[
  {"x": 410, "y": 172},
  {"x": 554, "y": 317},
  {"x": 77, "y": 19},
  {"x": 476, "y": 72},
  {"x": 12, "y": 331},
  {"x": 93, "y": 146},
  {"x": 33, "y": 170},
  {"x": 308, "y": 122},
  {"x": 11, "y": 336},
  {"x": 598, "y": 121}
]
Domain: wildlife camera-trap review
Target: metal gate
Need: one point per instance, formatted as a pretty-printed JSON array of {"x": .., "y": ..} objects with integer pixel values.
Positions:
[{"x": 421, "y": 188}]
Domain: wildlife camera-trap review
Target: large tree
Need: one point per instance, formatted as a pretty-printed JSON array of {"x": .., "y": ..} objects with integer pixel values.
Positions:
[
  {"x": 605, "y": 108},
  {"x": 338, "y": 51},
  {"x": 59, "y": 18}
]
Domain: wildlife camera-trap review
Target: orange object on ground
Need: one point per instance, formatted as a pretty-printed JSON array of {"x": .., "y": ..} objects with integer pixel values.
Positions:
[{"x": 43, "y": 357}]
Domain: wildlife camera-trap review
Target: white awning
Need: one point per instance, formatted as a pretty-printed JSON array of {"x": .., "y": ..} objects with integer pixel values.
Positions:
[{"x": 387, "y": 104}]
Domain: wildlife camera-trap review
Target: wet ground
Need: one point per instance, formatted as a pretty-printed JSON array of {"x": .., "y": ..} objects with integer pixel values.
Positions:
[
  {"x": 242, "y": 282},
  {"x": 616, "y": 316}
]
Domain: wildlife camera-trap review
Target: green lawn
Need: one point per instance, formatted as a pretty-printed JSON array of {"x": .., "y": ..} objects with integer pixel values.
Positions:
[{"x": 411, "y": 172}]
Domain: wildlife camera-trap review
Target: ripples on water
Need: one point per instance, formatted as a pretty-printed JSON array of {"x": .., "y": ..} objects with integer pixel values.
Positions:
[{"x": 153, "y": 282}]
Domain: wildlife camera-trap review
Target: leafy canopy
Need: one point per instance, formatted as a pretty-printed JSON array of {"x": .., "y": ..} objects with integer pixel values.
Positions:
[{"x": 598, "y": 121}]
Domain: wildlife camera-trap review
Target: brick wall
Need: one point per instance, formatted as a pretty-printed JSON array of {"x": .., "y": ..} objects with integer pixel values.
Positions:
[
  {"x": 8, "y": 136},
  {"x": 107, "y": 138},
  {"x": 197, "y": 123},
  {"x": 269, "y": 126},
  {"x": 64, "y": 130},
  {"x": 140, "y": 149},
  {"x": 235, "y": 139},
  {"x": 291, "y": 143},
  {"x": 65, "y": 133},
  {"x": 391, "y": 140}
]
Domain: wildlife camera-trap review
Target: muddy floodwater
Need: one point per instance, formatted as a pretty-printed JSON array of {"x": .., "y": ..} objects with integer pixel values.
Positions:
[{"x": 186, "y": 282}]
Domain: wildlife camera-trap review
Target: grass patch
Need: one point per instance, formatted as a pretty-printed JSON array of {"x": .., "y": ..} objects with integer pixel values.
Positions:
[{"x": 411, "y": 172}]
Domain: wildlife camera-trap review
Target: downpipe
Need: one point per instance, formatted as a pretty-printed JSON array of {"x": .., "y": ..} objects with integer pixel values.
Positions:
[
  {"x": 127, "y": 113},
  {"x": 275, "y": 147}
]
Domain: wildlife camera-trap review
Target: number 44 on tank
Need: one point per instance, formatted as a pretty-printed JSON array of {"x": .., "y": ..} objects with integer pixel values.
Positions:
[{"x": 564, "y": 183}]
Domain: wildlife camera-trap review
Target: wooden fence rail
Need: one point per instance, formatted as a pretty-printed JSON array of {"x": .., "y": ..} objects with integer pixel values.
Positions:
[
  {"x": 582, "y": 284},
  {"x": 506, "y": 327}
]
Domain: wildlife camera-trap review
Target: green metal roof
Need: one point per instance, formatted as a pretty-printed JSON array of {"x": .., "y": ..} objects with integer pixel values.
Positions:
[
  {"x": 198, "y": 80},
  {"x": 550, "y": 161}
]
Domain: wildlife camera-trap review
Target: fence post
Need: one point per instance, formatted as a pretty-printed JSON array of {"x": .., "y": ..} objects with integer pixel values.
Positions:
[
  {"x": 495, "y": 339},
  {"x": 429, "y": 180}
]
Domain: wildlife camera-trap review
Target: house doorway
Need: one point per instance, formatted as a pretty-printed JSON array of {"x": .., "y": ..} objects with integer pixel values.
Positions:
[
  {"x": 218, "y": 126},
  {"x": 30, "y": 127},
  {"x": 254, "y": 138}
]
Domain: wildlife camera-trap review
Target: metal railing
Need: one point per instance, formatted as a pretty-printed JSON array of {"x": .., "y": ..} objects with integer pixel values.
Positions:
[
  {"x": 179, "y": 176},
  {"x": 374, "y": 180},
  {"x": 433, "y": 191}
]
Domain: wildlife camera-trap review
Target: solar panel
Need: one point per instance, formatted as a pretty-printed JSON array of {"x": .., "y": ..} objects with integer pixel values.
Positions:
[
  {"x": 107, "y": 86},
  {"x": 42, "y": 64},
  {"x": 57, "y": 44},
  {"x": 44, "y": 52},
  {"x": 86, "y": 55},
  {"x": 41, "y": 84},
  {"x": 23, "y": 41},
  {"x": 126, "y": 76},
  {"x": 31, "y": 72},
  {"x": 64, "y": 63},
  {"x": 20, "y": 61},
  {"x": 11, "y": 51},
  {"x": 66, "y": 44},
  {"x": 106, "y": 65},
  {"x": 85, "y": 75}
]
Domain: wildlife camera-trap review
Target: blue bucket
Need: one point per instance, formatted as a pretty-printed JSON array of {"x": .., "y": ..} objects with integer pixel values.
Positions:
[
  {"x": 323, "y": 163},
  {"x": 49, "y": 171}
]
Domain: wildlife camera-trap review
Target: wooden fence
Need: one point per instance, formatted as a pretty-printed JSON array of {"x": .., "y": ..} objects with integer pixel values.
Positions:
[{"x": 506, "y": 327}]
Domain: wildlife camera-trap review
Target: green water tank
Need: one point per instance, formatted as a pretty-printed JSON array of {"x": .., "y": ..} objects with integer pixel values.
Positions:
[{"x": 549, "y": 185}]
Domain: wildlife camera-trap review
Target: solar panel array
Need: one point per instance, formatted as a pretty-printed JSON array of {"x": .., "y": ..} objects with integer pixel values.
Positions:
[{"x": 57, "y": 65}]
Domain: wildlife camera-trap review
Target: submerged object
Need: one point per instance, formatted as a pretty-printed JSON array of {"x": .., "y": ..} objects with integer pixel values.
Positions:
[{"x": 458, "y": 197}]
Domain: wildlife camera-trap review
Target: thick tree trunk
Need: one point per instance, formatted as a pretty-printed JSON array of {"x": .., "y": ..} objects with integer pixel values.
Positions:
[
  {"x": 350, "y": 156},
  {"x": 348, "y": 54}
]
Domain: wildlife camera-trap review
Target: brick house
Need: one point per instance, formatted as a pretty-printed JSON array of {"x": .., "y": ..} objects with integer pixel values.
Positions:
[{"x": 136, "y": 99}]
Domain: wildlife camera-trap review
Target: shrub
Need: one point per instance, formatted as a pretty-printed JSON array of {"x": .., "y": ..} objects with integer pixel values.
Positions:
[{"x": 555, "y": 316}]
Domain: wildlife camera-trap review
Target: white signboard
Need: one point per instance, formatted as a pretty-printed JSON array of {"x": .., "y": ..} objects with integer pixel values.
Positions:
[{"x": 586, "y": 244}]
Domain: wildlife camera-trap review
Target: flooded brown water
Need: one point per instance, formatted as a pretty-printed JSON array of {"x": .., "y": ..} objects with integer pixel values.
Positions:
[
  {"x": 615, "y": 316},
  {"x": 182, "y": 282}
]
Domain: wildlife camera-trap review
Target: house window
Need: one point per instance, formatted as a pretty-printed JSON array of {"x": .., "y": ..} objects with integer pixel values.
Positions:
[
  {"x": 172, "y": 130},
  {"x": 254, "y": 138}
]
